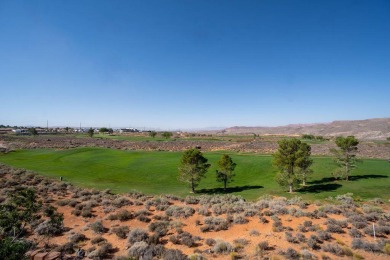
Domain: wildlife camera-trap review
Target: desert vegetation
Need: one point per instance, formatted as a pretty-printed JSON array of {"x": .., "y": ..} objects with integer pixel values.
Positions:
[{"x": 36, "y": 214}]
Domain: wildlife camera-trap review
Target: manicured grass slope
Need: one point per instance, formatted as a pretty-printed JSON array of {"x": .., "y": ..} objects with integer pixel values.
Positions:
[{"x": 156, "y": 173}]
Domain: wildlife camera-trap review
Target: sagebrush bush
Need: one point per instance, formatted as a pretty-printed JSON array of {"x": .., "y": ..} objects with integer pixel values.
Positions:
[
  {"x": 137, "y": 235},
  {"x": 97, "y": 227},
  {"x": 121, "y": 231},
  {"x": 222, "y": 247},
  {"x": 77, "y": 238},
  {"x": 98, "y": 239}
]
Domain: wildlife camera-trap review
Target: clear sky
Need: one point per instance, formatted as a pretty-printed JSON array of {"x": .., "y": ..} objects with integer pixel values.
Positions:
[{"x": 193, "y": 64}]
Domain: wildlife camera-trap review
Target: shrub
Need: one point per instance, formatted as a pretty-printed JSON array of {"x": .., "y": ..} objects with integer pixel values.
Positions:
[
  {"x": 307, "y": 255},
  {"x": 160, "y": 227},
  {"x": 210, "y": 242},
  {"x": 239, "y": 219},
  {"x": 67, "y": 248},
  {"x": 77, "y": 238},
  {"x": 323, "y": 235},
  {"x": 216, "y": 224},
  {"x": 138, "y": 249},
  {"x": 355, "y": 233},
  {"x": 386, "y": 249},
  {"x": 291, "y": 253},
  {"x": 97, "y": 227},
  {"x": 97, "y": 240},
  {"x": 178, "y": 211},
  {"x": 334, "y": 229},
  {"x": 222, "y": 247},
  {"x": 254, "y": 232},
  {"x": 204, "y": 211},
  {"x": 358, "y": 243},
  {"x": 137, "y": 235},
  {"x": 124, "y": 215},
  {"x": 174, "y": 254},
  {"x": 121, "y": 231},
  {"x": 333, "y": 249}
]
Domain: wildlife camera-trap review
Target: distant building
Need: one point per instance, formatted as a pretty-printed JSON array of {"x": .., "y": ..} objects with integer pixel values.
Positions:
[{"x": 128, "y": 130}]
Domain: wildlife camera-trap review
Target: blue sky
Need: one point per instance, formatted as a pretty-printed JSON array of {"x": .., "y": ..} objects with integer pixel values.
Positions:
[{"x": 193, "y": 64}]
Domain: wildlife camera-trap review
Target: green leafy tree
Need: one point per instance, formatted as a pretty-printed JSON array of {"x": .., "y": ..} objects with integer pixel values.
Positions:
[
  {"x": 225, "y": 172},
  {"x": 290, "y": 158},
  {"x": 152, "y": 134},
  {"x": 90, "y": 132},
  {"x": 304, "y": 163},
  {"x": 193, "y": 167},
  {"x": 18, "y": 212},
  {"x": 13, "y": 249},
  {"x": 167, "y": 135},
  {"x": 103, "y": 130},
  {"x": 33, "y": 131},
  {"x": 345, "y": 156}
]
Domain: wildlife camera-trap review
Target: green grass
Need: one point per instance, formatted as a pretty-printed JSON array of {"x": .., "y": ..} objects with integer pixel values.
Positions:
[{"x": 156, "y": 173}]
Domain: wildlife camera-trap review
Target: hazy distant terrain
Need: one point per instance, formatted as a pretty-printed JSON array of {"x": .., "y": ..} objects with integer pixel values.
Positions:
[{"x": 373, "y": 129}]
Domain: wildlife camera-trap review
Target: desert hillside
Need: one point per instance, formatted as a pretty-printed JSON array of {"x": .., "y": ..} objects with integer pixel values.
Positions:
[{"x": 374, "y": 129}]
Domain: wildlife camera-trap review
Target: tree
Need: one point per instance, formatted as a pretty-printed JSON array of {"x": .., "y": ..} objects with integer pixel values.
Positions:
[
  {"x": 345, "y": 156},
  {"x": 90, "y": 132},
  {"x": 103, "y": 130},
  {"x": 225, "y": 172},
  {"x": 167, "y": 135},
  {"x": 193, "y": 167},
  {"x": 33, "y": 131},
  {"x": 292, "y": 157},
  {"x": 152, "y": 134},
  {"x": 304, "y": 163}
]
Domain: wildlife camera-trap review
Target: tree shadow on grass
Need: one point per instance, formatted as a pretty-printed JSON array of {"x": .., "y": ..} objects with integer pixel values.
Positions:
[
  {"x": 229, "y": 189},
  {"x": 317, "y": 188},
  {"x": 350, "y": 178}
]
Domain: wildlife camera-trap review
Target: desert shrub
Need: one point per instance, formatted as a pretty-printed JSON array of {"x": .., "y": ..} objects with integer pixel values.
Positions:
[
  {"x": 301, "y": 237},
  {"x": 137, "y": 235},
  {"x": 323, "y": 235},
  {"x": 124, "y": 215},
  {"x": 333, "y": 248},
  {"x": 98, "y": 239},
  {"x": 67, "y": 248},
  {"x": 307, "y": 255},
  {"x": 210, "y": 241},
  {"x": 143, "y": 218},
  {"x": 97, "y": 227},
  {"x": 138, "y": 249},
  {"x": 13, "y": 249},
  {"x": 330, "y": 209},
  {"x": 380, "y": 231},
  {"x": 332, "y": 228},
  {"x": 239, "y": 219},
  {"x": 216, "y": 224},
  {"x": 120, "y": 202},
  {"x": 371, "y": 209},
  {"x": 373, "y": 216},
  {"x": 290, "y": 238},
  {"x": 160, "y": 227},
  {"x": 196, "y": 256},
  {"x": 291, "y": 253},
  {"x": 191, "y": 200},
  {"x": 102, "y": 252},
  {"x": 77, "y": 238},
  {"x": 121, "y": 231},
  {"x": 174, "y": 254},
  {"x": 250, "y": 212},
  {"x": 263, "y": 220},
  {"x": 312, "y": 242},
  {"x": 355, "y": 233},
  {"x": 204, "y": 211},
  {"x": 358, "y": 243},
  {"x": 241, "y": 241},
  {"x": 222, "y": 247},
  {"x": 86, "y": 213},
  {"x": 254, "y": 232},
  {"x": 179, "y": 212},
  {"x": 76, "y": 212}
]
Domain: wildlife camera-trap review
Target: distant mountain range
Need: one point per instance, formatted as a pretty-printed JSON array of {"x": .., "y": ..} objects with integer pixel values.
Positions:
[{"x": 370, "y": 129}]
